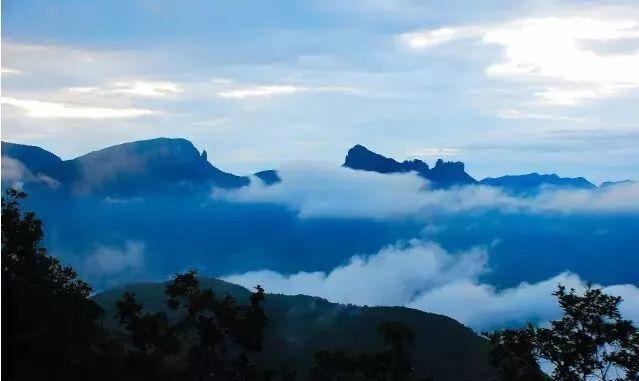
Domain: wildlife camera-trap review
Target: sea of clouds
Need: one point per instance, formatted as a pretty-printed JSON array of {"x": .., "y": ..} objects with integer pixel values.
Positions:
[
  {"x": 424, "y": 276},
  {"x": 421, "y": 274},
  {"x": 321, "y": 191}
]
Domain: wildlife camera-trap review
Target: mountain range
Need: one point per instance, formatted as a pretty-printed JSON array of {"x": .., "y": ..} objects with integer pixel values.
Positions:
[
  {"x": 130, "y": 169},
  {"x": 166, "y": 164}
]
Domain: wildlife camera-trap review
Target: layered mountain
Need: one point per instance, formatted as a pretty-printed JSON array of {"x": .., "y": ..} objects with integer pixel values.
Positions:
[
  {"x": 130, "y": 169},
  {"x": 606, "y": 184},
  {"x": 442, "y": 175},
  {"x": 299, "y": 325},
  {"x": 533, "y": 182},
  {"x": 174, "y": 165}
]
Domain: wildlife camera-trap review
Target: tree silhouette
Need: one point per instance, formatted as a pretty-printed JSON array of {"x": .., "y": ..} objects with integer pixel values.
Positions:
[
  {"x": 513, "y": 353},
  {"x": 590, "y": 342},
  {"x": 50, "y": 327},
  {"x": 151, "y": 335},
  {"x": 392, "y": 363},
  {"x": 397, "y": 337},
  {"x": 224, "y": 334}
]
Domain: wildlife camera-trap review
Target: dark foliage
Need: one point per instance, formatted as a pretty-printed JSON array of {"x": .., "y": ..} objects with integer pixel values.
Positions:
[
  {"x": 392, "y": 363},
  {"x": 223, "y": 334},
  {"x": 50, "y": 327},
  {"x": 590, "y": 342}
]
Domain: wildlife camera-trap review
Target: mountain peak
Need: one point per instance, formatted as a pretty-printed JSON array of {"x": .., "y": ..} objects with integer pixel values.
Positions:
[
  {"x": 177, "y": 150},
  {"x": 34, "y": 158},
  {"x": 360, "y": 157},
  {"x": 444, "y": 174}
]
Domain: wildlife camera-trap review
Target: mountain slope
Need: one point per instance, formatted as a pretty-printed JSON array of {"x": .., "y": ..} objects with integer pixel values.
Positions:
[
  {"x": 131, "y": 169},
  {"x": 606, "y": 184},
  {"x": 533, "y": 182},
  {"x": 144, "y": 166},
  {"x": 299, "y": 325},
  {"x": 269, "y": 176},
  {"x": 34, "y": 158},
  {"x": 442, "y": 175}
]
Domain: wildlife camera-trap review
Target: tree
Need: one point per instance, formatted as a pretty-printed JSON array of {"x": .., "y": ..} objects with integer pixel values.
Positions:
[
  {"x": 51, "y": 329},
  {"x": 224, "y": 334},
  {"x": 590, "y": 342},
  {"x": 151, "y": 335},
  {"x": 513, "y": 353},
  {"x": 392, "y": 363},
  {"x": 397, "y": 337}
]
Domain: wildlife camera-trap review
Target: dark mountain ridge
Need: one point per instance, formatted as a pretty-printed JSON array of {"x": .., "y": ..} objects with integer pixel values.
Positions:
[
  {"x": 130, "y": 169},
  {"x": 34, "y": 158},
  {"x": 442, "y": 175},
  {"x": 169, "y": 164},
  {"x": 533, "y": 182},
  {"x": 447, "y": 174},
  {"x": 298, "y": 325}
]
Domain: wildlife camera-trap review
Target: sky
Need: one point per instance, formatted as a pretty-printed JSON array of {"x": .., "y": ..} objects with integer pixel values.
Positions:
[{"x": 506, "y": 87}]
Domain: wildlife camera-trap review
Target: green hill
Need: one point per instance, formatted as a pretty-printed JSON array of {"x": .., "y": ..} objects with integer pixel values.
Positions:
[{"x": 299, "y": 325}]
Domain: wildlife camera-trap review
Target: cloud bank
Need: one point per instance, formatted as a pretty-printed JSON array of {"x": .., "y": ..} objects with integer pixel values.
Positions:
[
  {"x": 15, "y": 174},
  {"x": 107, "y": 260},
  {"x": 395, "y": 274},
  {"x": 318, "y": 191},
  {"x": 424, "y": 276},
  {"x": 41, "y": 110}
]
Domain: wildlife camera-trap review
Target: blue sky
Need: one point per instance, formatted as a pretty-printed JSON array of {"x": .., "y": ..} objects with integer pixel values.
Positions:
[{"x": 548, "y": 86}]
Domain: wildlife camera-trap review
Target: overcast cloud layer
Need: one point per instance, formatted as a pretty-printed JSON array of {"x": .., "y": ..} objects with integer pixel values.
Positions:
[{"x": 526, "y": 86}]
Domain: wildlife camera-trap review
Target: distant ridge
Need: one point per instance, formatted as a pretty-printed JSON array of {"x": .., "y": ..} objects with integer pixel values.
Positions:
[
  {"x": 34, "y": 158},
  {"x": 129, "y": 169},
  {"x": 533, "y": 182},
  {"x": 175, "y": 165},
  {"x": 612, "y": 183},
  {"x": 442, "y": 175}
]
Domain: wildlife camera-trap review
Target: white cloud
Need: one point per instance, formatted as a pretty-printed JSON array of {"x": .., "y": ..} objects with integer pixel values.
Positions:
[
  {"x": 40, "y": 109},
  {"x": 50, "y": 62},
  {"x": 326, "y": 191},
  {"x": 517, "y": 114},
  {"x": 431, "y": 38},
  {"x": 275, "y": 90},
  {"x": 260, "y": 91},
  {"x": 318, "y": 191},
  {"x": 554, "y": 53},
  {"x": 552, "y": 48},
  {"x": 15, "y": 174},
  {"x": 106, "y": 260},
  {"x": 622, "y": 197},
  {"x": 482, "y": 306},
  {"x": 83, "y": 89},
  {"x": 7, "y": 70},
  {"x": 390, "y": 277},
  {"x": 424, "y": 276},
  {"x": 149, "y": 88},
  {"x": 221, "y": 81}
]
